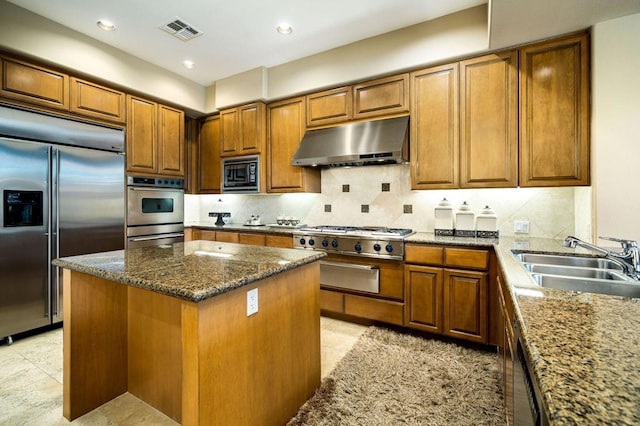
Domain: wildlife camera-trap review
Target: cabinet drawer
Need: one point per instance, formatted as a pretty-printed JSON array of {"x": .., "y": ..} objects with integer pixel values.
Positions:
[
  {"x": 423, "y": 254},
  {"x": 279, "y": 241},
  {"x": 331, "y": 301},
  {"x": 375, "y": 309},
  {"x": 204, "y": 234},
  {"x": 227, "y": 237},
  {"x": 466, "y": 258},
  {"x": 251, "y": 239}
]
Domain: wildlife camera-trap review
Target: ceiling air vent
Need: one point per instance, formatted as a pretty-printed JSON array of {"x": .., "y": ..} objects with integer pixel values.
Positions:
[{"x": 181, "y": 29}]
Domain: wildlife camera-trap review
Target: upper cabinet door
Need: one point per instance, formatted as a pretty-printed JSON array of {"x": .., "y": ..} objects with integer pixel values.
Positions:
[
  {"x": 286, "y": 128},
  {"x": 209, "y": 162},
  {"x": 329, "y": 107},
  {"x": 489, "y": 121},
  {"x": 243, "y": 130},
  {"x": 142, "y": 154},
  {"x": 170, "y": 141},
  {"x": 252, "y": 127},
  {"x": 97, "y": 101},
  {"x": 382, "y": 97},
  {"x": 229, "y": 132},
  {"x": 554, "y": 113},
  {"x": 434, "y": 128},
  {"x": 36, "y": 85}
]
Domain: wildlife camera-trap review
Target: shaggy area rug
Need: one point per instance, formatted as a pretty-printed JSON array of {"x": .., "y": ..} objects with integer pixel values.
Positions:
[{"x": 392, "y": 378}]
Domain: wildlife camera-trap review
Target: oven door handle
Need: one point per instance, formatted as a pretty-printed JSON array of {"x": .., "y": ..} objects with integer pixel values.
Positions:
[
  {"x": 349, "y": 265},
  {"x": 157, "y": 237}
]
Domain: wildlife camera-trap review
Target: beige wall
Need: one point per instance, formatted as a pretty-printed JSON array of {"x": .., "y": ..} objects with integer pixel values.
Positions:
[
  {"x": 460, "y": 34},
  {"x": 616, "y": 127},
  {"x": 26, "y": 33}
]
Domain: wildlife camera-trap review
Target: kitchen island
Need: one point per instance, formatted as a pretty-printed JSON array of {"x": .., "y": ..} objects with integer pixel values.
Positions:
[{"x": 171, "y": 325}]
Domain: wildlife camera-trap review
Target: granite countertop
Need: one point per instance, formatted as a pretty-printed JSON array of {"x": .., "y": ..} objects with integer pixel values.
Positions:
[
  {"x": 192, "y": 271},
  {"x": 584, "y": 347}
]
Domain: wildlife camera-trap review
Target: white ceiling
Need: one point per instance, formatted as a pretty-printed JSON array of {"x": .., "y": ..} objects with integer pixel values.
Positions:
[
  {"x": 240, "y": 35},
  {"x": 237, "y": 35}
]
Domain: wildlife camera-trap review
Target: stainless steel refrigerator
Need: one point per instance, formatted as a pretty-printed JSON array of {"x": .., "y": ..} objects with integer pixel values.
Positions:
[{"x": 62, "y": 188}]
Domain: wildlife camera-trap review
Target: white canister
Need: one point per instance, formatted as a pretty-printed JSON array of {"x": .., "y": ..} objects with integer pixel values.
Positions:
[
  {"x": 444, "y": 218},
  {"x": 487, "y": 224},
  {"x": 465, "y": 221}
]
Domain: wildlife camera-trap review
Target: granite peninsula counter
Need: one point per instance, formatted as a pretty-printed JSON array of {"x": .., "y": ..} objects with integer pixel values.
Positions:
[
  {"x": 170, "y": 325},
  {"x": 584, "y": 347}
]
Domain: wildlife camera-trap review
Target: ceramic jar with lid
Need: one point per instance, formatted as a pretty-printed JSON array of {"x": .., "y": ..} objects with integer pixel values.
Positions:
[
  {"x": 487, "y": 224},
  {"x": 465, "y": 221},
  {"x": 444, "y": 218}
]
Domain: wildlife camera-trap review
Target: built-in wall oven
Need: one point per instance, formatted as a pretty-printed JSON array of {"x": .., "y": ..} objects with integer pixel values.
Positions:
[{"x": 155, "y": 211}]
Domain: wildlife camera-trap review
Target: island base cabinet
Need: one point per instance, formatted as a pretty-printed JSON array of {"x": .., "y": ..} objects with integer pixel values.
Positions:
[{"x": 205, "y": 363}]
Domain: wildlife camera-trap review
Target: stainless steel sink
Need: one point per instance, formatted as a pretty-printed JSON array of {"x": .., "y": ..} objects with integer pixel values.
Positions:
[
  {"x": 579, "y": 273},
  {"x": 611, "y": 287},
  {"x": 568, "y": 260},
  {"x": 595, "y": 273}
]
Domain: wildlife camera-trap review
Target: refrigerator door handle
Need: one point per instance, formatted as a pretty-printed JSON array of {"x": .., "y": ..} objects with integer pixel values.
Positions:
[{"x": 55, "y": 248}]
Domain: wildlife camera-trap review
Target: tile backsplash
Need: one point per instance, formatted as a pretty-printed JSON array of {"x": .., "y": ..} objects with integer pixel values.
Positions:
[{"x": 551, "y": 212}]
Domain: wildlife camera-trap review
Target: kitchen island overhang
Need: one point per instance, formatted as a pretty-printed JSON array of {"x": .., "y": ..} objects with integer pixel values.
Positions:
[{"x": 170, "y": 326}]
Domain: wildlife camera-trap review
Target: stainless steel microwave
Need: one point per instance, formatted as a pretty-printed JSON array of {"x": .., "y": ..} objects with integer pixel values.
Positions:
[{"x": 241, "y": 175}]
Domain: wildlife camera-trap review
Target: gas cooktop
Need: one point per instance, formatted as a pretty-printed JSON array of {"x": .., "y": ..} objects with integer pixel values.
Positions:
[
  {"x": 372, "y": 241},
  {"x": 359, "y": 230}
]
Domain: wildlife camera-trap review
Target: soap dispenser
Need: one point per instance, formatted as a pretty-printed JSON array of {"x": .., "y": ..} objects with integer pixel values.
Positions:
[
  {"x": 465, "y": 221},
  {"x": 444, "y": 219},
  {"x": 487, "y": 224}
]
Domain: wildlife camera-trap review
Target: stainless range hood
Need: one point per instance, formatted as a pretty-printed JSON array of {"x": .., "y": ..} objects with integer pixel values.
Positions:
[{"x": 357, "y": 144}]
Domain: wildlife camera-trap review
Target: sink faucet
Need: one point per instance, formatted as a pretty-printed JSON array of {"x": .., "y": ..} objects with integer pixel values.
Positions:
[{"x": 629, "y": 257}]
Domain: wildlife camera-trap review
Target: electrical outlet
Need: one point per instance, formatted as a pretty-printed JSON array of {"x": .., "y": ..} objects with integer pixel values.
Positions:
[
  {"x": 252, "y": 302},
  {"x": 521, "y": 226}
]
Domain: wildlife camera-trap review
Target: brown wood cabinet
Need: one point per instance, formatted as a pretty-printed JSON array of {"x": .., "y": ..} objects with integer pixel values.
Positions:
[
  {"x": 28, "y": 83},
  {"x": 155, "y": 138},
  {"x": 259, "y": 239},
  {"x": 97, "y": 101},
  {"x": 329, "y": 106},
  {"x": 554, "y": 112},
  {"x": 243, "y": 130},
  {"x": 424, "y": 287},
  {"x": 209, "y": 162},
  {"x": 434, "y": 128},
  {"x": 384, "y": 96},
  {"x": 281, "y": 241},
  {"x": 464, "y": 124},
  {"x": 489, "y": 121},
  {"x": 465, "y": 305},
  {"x": 444, "y": 300},
  {"x": 388, "y": 96},
  {"x": 286, "y": 120}
]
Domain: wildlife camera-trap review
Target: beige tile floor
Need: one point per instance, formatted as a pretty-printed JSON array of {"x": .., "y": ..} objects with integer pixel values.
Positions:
[{"x": 31, "y": 381}]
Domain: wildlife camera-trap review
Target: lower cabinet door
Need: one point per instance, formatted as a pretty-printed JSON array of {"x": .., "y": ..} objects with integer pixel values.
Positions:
[
  {"x": 465, "y": 305},
  {"x": 423, "y": 293}
]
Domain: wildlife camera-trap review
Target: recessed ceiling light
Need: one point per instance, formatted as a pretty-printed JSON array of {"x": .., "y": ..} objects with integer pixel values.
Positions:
[
  {"x": 106, "y": 25},
  {"x": 188, "y": 64},
  {"x": 284, "y": 28}
]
